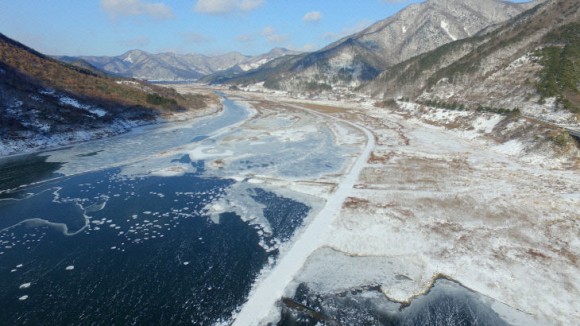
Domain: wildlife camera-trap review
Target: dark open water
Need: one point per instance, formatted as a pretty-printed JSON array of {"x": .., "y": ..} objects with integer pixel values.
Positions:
[
  {"x": 102, "y": 248},
  {"x": 147, "y": 256}
]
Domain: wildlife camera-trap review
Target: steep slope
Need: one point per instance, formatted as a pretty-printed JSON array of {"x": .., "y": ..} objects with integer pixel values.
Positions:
[
  {"x": 518, "y": 65},
  {"x": 42, "y": 99},
  {"x": 515, "y": 88},
  {"x": 172, "y": 66},
  {"x": 260, "y": 60},
  {"x": 361, "y": 57}
]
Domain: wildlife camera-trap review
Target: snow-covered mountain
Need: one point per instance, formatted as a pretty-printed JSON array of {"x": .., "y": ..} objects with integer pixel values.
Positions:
[
  {"x": 358, "y": 58},
  {"x": 171, "y": 66},
  {"x": 45, "y": 102},
  {"x": 529, "y": 62}
]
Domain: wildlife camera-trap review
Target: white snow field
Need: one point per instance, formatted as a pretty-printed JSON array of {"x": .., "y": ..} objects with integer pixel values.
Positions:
[{"x": 433, "y": 202}]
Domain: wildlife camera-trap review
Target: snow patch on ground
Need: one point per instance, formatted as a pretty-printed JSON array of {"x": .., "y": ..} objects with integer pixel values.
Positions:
[
  {"x": 89, "y": 108},
  {"x": 55, "y": 140},
  {"x": 489, "y": 130},
  {"x": 550, "y": 112},
  {"x": 512, "y": 147},
  {"x": 445, "y": 27},
  {"x": 129, "y": 59}
]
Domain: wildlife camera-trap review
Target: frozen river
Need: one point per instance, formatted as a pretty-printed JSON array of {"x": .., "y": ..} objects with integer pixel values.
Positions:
[
  {"x": 168, "y": 224},
  {"x": 202, "y": 222}
]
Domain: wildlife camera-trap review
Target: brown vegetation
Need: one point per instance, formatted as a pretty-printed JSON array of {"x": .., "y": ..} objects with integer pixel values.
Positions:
[
  {"x": 86, "y": 85},
  {"x": 353, "y": 202}
]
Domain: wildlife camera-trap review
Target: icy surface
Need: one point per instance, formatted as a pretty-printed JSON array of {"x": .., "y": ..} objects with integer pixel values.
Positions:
[
  {"x": 426, "y": 202},
  {"x": 145, "y": 144},
  {"x": 276, "y": 166},
  {"x": 270, "y": 289},
  {"x": 24, "y": 286}
]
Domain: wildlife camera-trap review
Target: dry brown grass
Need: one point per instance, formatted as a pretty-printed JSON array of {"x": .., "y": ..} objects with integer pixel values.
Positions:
[
  {"x": 353, "y": 202},
  {"x": 85, "y": 84},
  {"x": 380, "y": 159},
  {"x": 332, "y": 110}
]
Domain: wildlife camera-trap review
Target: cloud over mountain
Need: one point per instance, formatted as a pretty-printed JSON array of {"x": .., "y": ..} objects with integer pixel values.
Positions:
[
  {"x": 272, "y": 35},
  {"x": 219, "y": 7},
  {"x": 156, "y": 10},
  {"x": 313, "y": 16}
]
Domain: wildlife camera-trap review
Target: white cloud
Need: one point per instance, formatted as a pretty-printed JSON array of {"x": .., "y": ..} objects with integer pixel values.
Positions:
[
  {"x": 249, "y": 5},
  {"x": 359, "y": 26},
  {"x": 245, "y": 38},
  {"x": 219, "y": 7},
  {"x": 137, "y": 42},
  {"x": 272, "y": 35},
  {"x": 136, "y": 8},
  {"x": 313, "y": 16},
  {"x": 305, "y": 48},
  {"x": 193, "y": 37}
]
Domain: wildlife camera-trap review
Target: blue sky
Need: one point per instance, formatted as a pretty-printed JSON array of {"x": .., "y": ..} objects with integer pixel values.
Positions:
[{"x": 111, "y": 27}]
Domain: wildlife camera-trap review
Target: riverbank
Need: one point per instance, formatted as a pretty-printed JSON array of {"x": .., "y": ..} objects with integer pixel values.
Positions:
[
  {"x": 38, "y": 143},
  {"x": 429, "y": 203}
]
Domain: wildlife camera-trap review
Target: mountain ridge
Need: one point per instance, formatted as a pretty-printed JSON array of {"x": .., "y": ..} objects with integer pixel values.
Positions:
[
  {"x": 414, "y": 30},
  {"x": 44, "y": 102},
  {"x": 500, "y": 67},
  {"x": 169, "y": 66}
]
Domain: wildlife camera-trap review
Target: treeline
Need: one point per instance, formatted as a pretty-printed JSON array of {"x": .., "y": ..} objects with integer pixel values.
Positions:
[
  {"x": 560, "y": 76},
  {"x": 502, "y": 111},
  {"x": 454, "y": 106}
]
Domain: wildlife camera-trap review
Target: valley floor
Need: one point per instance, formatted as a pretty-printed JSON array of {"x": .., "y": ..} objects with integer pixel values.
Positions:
[{"x": 429, "y": 203}]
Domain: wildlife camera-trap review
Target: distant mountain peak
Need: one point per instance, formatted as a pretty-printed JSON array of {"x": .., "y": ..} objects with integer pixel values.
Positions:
[
  {"x": 174, "y": 66},
  {"x": 134, "y": 52},
  {"x": 497, "y": 68}
]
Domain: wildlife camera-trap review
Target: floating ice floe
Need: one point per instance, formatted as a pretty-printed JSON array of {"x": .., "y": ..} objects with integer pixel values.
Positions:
[{"x": 24, "y": 286}]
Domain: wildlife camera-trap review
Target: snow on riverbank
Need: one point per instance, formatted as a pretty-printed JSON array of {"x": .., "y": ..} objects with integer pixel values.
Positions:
[
  {"x": 30, "y": 143},
  {"x": 33, "y": 143},
  {"x": 435, "y": 202},
  {"x": 525, "y": 139},
  {"x": 432, "y": 201}
]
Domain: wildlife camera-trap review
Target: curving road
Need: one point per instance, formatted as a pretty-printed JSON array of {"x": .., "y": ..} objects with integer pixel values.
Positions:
[{"x": 264, "y": 296}]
